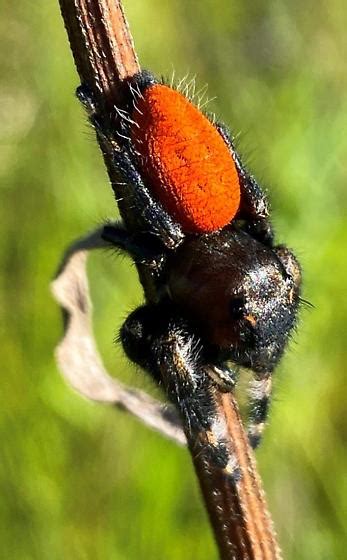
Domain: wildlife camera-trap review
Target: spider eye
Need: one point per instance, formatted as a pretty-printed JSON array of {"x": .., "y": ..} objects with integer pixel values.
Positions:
[{"x": 237, "y": 307}]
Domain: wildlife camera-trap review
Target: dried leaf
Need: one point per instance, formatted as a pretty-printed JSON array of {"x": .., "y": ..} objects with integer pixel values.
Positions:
[{"x": 77, "y": 355}]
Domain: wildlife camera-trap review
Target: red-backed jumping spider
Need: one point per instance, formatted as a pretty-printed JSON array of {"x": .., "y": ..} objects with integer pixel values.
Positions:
[{"x": 224, "y": 295}]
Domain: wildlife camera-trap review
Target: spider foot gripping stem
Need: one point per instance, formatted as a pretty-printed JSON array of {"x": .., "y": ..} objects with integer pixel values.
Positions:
[
  {"x": 224, "y": 377},
  {"x": 163, "y": 343}
]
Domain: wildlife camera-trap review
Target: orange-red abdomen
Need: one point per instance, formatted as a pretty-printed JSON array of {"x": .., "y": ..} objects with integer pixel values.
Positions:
[{"x": 185, "y": 160}]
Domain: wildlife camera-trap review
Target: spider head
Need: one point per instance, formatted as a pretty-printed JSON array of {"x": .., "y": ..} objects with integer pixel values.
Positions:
[{"x": 242, "y": 294}]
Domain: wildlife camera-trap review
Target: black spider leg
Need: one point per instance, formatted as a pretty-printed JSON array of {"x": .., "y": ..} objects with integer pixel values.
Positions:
[
  {"x": 144, "y": 249},
  {"x": 259, "y": 402},
  {"x": 254, "y": 206},
  {"x": 261, "y": 386},
  {"x": 148, "y": 213},
  {"x": 159, "y": 340}
]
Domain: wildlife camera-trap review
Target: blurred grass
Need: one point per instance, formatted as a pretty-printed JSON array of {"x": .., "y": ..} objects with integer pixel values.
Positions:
[{"x": 85, "y": 482}]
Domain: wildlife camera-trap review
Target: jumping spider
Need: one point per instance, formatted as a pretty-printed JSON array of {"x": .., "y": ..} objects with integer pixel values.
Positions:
[{"x": 225, "y": 296}]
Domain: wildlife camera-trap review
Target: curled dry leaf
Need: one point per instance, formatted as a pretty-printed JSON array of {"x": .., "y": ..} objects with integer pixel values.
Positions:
[{"x": 77, "y": 355}]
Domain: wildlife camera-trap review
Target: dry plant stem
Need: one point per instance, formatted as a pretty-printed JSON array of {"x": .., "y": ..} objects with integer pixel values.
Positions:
[
  {"x": 237, "y": 509},
  {"x": 104, "y": 55},
  {"x": 101, "y": 44}
]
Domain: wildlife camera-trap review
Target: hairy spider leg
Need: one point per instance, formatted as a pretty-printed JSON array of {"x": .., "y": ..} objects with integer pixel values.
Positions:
[
  {"x": 144, "y": 249},
  {"x": 254, "y": 206},
  {"x": 260, "y": 396},
  {"x": 149, "y": 213},
  {"x": 160, "y": 341}
]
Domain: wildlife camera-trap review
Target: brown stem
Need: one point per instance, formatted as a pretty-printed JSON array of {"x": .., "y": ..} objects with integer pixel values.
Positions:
[
  {"x": 101, "y": 44},
  {"x": 237, "y": 508},
  {"x": 104, "y": 55}
]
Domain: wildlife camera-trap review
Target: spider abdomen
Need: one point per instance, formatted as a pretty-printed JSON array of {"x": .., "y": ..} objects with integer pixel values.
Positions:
[{"x": 185, "y": 160}]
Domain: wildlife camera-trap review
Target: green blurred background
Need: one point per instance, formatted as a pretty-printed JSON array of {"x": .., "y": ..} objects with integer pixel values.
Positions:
[{"x": 83, "y": 481}]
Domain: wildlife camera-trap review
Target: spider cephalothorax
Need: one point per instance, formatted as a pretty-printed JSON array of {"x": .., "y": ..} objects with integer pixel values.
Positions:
[
  {"x": 240, "y": 292},
  {"x": 224, "y": 295}
]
